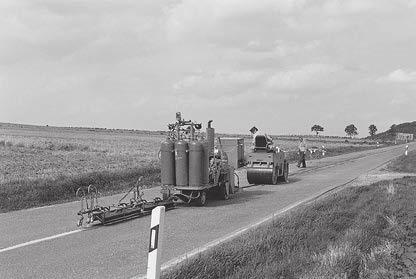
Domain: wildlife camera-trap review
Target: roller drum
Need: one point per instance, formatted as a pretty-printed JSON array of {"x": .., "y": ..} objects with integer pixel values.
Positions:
[{"x": 261, "y": 176}]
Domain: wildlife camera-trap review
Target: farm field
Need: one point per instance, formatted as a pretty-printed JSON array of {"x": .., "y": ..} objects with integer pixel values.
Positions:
[{"x": 43, "y": 165}]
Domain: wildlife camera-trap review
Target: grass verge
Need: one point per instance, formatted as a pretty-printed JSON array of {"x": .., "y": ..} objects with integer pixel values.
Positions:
[
  {"x": 404, "y": 163},
  {"x": 355, "y": 233},
  {"x": 20, "y": 194}
]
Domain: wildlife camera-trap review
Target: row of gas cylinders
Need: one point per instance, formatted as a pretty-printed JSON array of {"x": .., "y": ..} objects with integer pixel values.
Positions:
[{"x": 184, "y": 163}]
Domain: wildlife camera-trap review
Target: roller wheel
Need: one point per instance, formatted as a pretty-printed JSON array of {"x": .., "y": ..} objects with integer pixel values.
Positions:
[
  {"x": 202, "y": 199},
  {"x": 224, "y": 190}
]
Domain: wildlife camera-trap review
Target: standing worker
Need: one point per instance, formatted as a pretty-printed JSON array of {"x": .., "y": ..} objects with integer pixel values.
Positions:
[{"x": 302, "y": 153}]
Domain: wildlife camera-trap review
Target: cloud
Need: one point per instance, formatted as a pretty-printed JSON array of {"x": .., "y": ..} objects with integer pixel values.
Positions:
[
  {"x": 305, "y": 77},
  {"x": 224, "y": 82},
  {"x": 399, "y": 76},
  {"x": 262, "y": 83},
  {"x": 280, "y": 47}
]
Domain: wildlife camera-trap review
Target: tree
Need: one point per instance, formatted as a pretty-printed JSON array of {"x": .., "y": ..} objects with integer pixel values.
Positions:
[
  {"x": 351, "y": 130},
  {"x": 372, "y": 129},
  {"x": 317, "y": 128}
]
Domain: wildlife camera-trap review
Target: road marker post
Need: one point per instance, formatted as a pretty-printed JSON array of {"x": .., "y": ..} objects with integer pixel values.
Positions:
[
  {"x": 156, "y": 240},
  {"x": 406, "y": 150}
]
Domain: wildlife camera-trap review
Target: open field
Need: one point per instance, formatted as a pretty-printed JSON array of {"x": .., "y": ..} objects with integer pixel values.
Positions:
[
  {"x": 359, "y": 232},
  {"x": 43, "y": 165}
]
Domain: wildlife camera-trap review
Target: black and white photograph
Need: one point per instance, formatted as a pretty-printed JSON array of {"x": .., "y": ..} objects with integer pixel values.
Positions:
[{"x": 208, "y": 139}]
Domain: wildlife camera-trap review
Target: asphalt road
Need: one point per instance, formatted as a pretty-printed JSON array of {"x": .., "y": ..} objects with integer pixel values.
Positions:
[{"x": 45, "y": 242}]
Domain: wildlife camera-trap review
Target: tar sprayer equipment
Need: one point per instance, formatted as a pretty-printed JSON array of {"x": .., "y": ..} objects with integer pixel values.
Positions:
[{"x": 191, "y": 165}]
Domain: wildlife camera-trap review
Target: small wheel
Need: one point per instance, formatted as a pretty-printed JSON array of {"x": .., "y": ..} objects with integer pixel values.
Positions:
[
  {"x": 224, "y": 190},
  {"x": 202, "y": 200}
]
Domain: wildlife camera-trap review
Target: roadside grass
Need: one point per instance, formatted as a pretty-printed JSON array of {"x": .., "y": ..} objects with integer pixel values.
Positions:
[
  {"x": 404, "y": 163},
  {"x": 354, "y": 233},
  {"x": 26, "y": 193}
]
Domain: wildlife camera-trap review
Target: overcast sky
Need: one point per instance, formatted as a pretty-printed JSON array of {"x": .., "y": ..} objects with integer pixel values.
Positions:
[{"x": 282, "y": 65}]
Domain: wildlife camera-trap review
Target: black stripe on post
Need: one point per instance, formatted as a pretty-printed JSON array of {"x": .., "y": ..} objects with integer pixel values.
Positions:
[{"x": 154, "y": 238}]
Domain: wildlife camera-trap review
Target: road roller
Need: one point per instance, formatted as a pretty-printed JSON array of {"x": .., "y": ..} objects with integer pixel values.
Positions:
[
  {"x": 191, "y": 166},
  {"x": 266, "y": 164}
]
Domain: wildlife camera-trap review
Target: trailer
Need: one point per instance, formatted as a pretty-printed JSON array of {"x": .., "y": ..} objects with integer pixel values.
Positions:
[
  {"x": 135, "y": 207},
  {"x": 192, "y": 167}
]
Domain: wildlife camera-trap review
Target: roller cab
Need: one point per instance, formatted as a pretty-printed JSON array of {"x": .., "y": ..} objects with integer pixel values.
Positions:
[{"x": 266, "y": 164}]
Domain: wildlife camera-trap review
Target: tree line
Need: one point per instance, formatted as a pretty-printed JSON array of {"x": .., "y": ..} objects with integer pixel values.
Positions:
[{"x": 350, "y": 130}]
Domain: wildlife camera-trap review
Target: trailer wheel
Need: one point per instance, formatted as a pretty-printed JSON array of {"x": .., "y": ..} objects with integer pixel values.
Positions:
[
  {"x": 202, "y": 199},
  {"x": 224, "y": 190}
]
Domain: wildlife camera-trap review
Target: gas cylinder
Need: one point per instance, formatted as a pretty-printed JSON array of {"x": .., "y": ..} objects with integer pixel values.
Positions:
[
  {"x": 167, "y": 162},
  {"x": 181, "y": 163},
  {"x": 205, "y": 163},
  {"x": 196, "y": 166}
]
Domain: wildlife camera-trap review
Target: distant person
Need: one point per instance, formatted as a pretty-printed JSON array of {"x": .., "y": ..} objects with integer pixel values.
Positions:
[
  {"x": 302, "y": 153},
  {"x": 254, "y": 132}
]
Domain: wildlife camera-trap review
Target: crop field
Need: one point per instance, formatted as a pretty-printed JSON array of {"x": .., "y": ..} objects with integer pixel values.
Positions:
[{"x": 43, "y": 165}]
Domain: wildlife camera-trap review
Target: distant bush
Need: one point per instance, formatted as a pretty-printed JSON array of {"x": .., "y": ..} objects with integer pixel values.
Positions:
[
  {"x": 65, "y": 146},
  {"x": 9, "y": 144},
  {"x": 2, "y": 143}
]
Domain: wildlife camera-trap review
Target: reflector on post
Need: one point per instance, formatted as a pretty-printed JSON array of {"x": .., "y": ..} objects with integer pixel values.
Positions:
[{"x": 155, "y": 243}]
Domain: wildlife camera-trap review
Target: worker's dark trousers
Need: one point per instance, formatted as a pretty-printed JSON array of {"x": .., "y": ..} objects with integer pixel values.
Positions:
[{"x": 302, "y": 159}]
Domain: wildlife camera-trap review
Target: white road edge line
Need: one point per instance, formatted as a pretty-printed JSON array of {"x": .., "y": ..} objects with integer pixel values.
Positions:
[{"x": 39, "y": 240}]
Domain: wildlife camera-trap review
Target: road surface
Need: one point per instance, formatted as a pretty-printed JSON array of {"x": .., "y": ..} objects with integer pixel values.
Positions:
[{"x": 45, "y": 242}]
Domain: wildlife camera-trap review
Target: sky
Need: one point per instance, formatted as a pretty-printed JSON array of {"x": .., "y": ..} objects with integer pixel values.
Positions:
[{"x": 281, "y": 65}]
